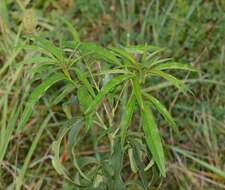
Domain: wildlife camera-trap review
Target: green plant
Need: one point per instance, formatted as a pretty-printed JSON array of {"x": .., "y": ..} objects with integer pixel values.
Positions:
[
  {"x": 190, "y": 32},
  {"x": 115, "y": 78}
]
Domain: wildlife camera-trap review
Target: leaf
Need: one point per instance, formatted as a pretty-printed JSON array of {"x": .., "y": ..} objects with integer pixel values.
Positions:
[
  {"x": 117, "y": 165},
  {"x": 85, "y": 100},
  {"x": 141, "y": 48},
  {"x": 73, "y": 136},
  {"x": 49, "y": 47},
  {"x": 162, "y": 109},
  {"x": 140, "y": 165},
  {"x": 98, "y": 52},
  {"x": 137, "y": 92},
  {"x": 106, "y": 89},
  {"x": 132, "y": 161},
  {"x": 84, "y": 97},
  {"x": 71, "y": 28},
  {"x": 153, "y": 140},
  {"x": 123, "y": 54},
  {"x": 208, "y": 166},
  {"x": 176, "y": 82},
  {"x": 56, "y": 154},
  {"x": 39, "y": 60},
  {"x": 174, "y": 65},
  {"x": 36, "y": 95},
  {"x": 65, "y": 91},
  {"x": 126, "y": 118},
  {"x": 81, "y": 76}
]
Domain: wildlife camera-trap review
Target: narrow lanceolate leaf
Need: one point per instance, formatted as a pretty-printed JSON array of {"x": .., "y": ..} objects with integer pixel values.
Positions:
[
  {"x": 153, "y": 139},
  {"x": 49, "y": 47},
  {"x": 174, "y": 65},
  {"x": 117, "y": 165},
  {"x": 35, "y": 96},
  {"x": 81, "y": 76},
  {"x": 133, "y": 165},
  {"x": 85, "y": 100},
  {"x": 203, "y": 163},
  {"x": 140, "y": 165},
  {"x": 176, "y": 82},
  {"x": 106, "y": 89},
  {"x": 124, "y": 54},
  {"x": 141, "y": 48},
  {"x": 137, "y": 92},
  {"x": 98, "y": 52},
  {"x": 64, "y": 92},
  {"x": 56, "y": 155},
  {"x": 162, "y": 109},
  {"x": 72, "y": 29},
  {"x": 126, "y": 118}
]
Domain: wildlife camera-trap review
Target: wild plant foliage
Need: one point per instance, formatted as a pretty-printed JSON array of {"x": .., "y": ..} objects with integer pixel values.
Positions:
[{"x": 107, "y": 88}]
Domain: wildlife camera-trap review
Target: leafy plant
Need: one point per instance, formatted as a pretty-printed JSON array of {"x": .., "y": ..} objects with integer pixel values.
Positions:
[{"x": 109, "y": 86}]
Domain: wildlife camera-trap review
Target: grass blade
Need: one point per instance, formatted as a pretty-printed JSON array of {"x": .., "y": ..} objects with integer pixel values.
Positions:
[
  {"x": 71, "y": 28},
  {"x": 19, "y": 179},
  {"x": 201, "y": 162}
]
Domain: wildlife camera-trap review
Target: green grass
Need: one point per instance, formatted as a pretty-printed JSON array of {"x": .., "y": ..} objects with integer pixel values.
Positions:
[{"x": 114, "y": 103}]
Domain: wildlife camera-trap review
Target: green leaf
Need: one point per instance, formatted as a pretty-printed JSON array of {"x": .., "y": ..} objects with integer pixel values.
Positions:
[
  {"x": 126, "y": 118},
  {"x": 36, "y": 95},
  {"x": 153, "y": 140},
  {"x": 141, "y": 48},
  {"x": 137, "y": 92},
  {"x": 84, "y": 97},
  {"x": 174, "y": 65},
  {"x": 63, "y": 93},
  {"x": 81, "y": 76},
  {"x": 117, "y": 165},
  {"x": 140, "y": 165},
  {"x": 162, "y": 109},
  {"x": 176, "y": 82},
  {"x": 85, "y": 100},
  {"x": 106, "y": 89},
  {"x": 49, "y": 47},
  {"x": 124, "y": 54},
  {"x": 71, "y": 28},
  {"x": 38, "y": 60},
  {"x": 98, "y": 52}
]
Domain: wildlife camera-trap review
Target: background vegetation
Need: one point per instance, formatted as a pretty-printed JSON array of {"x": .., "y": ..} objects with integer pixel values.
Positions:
[{"x": 191, "y": 32}]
